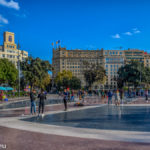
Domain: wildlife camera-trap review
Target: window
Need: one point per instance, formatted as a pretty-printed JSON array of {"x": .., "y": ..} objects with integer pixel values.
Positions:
[
  {"x": 10, "y": 38},
  {"x": 113, "y": 53},
  {"x": 110, "y": 53},
  {"x": 105, "y": 53},
  {"x": 107, "y": 60},
  {"x": 120, "y": 53}
]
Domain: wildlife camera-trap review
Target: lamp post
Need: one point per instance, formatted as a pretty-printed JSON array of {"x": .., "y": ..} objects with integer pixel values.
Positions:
[
  {"x": 140, "y": 72},
  {"x": 141, "y": 76},
  {"x": 18, "y": 47}
]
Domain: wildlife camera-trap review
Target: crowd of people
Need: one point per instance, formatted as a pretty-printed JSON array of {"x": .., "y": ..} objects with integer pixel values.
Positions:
[{"x": 69, "y": 95}]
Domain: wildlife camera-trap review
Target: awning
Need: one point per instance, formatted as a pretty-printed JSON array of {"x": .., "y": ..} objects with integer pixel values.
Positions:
[
  {"x": 2, "y": 88},
  {"x": 6, "y": 88},
  {"x": 9, "y": 88}
]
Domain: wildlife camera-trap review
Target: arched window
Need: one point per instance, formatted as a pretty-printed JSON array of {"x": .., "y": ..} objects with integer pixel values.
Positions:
[{"x": 10, "y": 39}]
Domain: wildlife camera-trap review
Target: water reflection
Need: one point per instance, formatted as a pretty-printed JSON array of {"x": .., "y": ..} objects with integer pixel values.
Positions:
[{"x": 107, "y": 117}]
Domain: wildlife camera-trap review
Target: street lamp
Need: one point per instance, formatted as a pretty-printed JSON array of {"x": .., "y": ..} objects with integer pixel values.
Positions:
[
  {"x": 18, "y": 47},
  {"x": 140, "y": 75},
  {"x": 140, "y": 71}
]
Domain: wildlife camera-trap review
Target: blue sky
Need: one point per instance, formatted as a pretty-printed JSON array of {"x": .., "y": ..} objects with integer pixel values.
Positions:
[{"x": 82, "y": 24}]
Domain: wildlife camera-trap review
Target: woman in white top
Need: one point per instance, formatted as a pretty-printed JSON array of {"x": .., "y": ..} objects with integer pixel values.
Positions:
[{"x": 117, "y": 98}]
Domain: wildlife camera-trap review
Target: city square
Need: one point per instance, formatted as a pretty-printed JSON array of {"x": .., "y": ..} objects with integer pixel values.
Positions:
[
  {"x": 74, "y": 75},
  {"x": 112, "y": 127}
]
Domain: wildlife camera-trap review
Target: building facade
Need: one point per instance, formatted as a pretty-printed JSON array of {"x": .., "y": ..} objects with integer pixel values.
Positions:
[
  {"x": 111, "y": 60},
  {"x": 9, "y": 49}
]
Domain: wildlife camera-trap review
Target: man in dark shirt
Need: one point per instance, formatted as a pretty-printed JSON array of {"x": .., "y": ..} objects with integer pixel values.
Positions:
[
  {"x": 42, "y": 98},
  {"x": 110, "y": 97},
  {"x": 33, "y": 104},
  {"x": 65, "y": 98}
]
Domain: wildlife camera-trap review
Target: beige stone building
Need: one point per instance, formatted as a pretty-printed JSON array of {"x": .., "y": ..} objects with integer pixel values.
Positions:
[
  {"x": 9, "y": 49},
  {"x": 139, "y": 55},
  {"x": 111, "y": 60},
  {"x": 73, "y": 60}
]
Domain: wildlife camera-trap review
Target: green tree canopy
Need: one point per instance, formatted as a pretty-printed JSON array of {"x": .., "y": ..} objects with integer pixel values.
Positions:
[
  {"x": 93, "y": 73},
  {"x": 8, "y": 72},
  {"x": 133, "y": 73},
  {"x": 64, "y": 74},
  {"x": 65, "y": 79},
  {"x": 35, "y": 71},
  {"x": 75, "y": 83}
]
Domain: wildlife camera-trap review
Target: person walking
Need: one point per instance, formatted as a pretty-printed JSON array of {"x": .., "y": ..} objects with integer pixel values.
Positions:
[
  {"x": 65, "y": 98},
  {"x": 42, "y": 98},
  {"x": 146, "y": 95},
  {"x": 109, "y": 97},
  {"x": 83, "y": 95},
  {"x": 117, "y": 98},
  {"x": 121, "y": 96},
  {"x": 80, "y": 94},
  {"x": 33, "y": 104},
  {"x": 72, "y": 95}
]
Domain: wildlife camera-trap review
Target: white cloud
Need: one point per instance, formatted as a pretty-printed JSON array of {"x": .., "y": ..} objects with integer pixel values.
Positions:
[
  {"x": 10, "y": 4},
  {"x": 3, "y": 20},
  {"x": 116, "y": 36},
  {"x": 128, "y": 33},
  {"x": 136, "y": 30}
]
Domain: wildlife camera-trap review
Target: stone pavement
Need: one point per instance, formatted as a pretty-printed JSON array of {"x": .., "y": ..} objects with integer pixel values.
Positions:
[
  {"x": 25, "y": 140},
  {"x": 21, "y": 138}
]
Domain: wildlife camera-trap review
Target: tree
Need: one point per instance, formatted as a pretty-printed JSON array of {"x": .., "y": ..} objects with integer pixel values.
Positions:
[
  {"x": 66, "y": 80},
  {"x": 45, "y": 81},
  {"x": 146, "y": 77},
  {"x": 75, "y": 83},
  {"x": 63, "y": 79},
  {"x": 130, "y": 74},
  {"x": 93, "y": 73},
  {"x": 8, "y": 72},
  {"x": 35, "y": 71},
  {"x": 64, "y": 74}
]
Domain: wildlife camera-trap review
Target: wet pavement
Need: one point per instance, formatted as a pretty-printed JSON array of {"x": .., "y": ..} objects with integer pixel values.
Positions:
[
  {"x": 26, "y": 103},
  {"x": 23, "y": 107},
  {"x": 126, "y": 118}
]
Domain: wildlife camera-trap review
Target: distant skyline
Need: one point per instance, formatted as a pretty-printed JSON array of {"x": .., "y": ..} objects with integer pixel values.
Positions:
[{"x": 78, "y": 24}]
